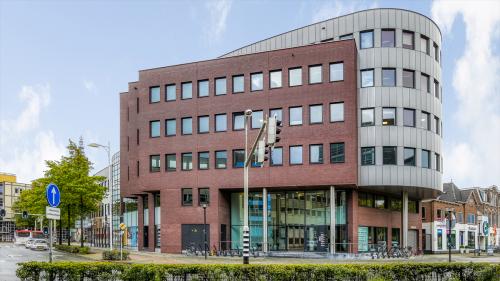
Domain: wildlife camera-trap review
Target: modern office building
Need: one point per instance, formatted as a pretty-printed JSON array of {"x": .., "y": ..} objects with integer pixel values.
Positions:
[
  {"x": 359, "y": 97},
  {"x": 10, "y": 190}
]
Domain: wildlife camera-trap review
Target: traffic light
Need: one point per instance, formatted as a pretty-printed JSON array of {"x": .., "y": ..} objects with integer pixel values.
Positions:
[
  {"x": 25, "y": 214},
  {"x": 273, "y": 130},
  {"x": 262, "y": 152},
  {"x": 2, "y": 213},
  {"x": 46, "y": 230}
]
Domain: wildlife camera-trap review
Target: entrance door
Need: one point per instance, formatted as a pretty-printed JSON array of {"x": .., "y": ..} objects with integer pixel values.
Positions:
[
  {"x": 428, "y": 242},
  {"x": 413, "y": 239},
  {"x": 146, "y": 236}
]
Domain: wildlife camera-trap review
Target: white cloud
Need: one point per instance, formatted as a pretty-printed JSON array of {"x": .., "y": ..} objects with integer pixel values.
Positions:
[
  {"x": 89, "y": 85},
  {"x": 332, "y": 9},
  {"x": 472, "y": 157},
  {"x": 218, "y": 12}
]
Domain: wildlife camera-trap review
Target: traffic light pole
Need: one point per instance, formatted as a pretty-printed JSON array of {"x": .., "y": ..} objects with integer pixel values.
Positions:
[
  {"x": 50, "y": 240},
  {"x": 449, "y": 236}
]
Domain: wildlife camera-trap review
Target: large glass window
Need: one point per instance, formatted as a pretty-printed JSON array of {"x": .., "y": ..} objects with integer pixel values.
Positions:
[
  {"x": 278, "y": 112},
  {"x": 187, "y": 126},
  {"x": 388, "y": 77},
  {"x": 154, "y": 128},
  {"x": 379, "y": 202},
  {"x": 408, "y": 40},
  {"x": 436, "y": 89},
  {"x": 337, "y": 152},
  {"x": 203, "y": 88},
  {"x": 277, "y": 156},
  {"x": 409, "y": 156},
  {"x": 171, "y": 162},
  {"x": 367, "y": 156},
  {"x": 315, "y": 114},
  {"x": 367, "y": 117},
  {"x": 389, "y": 154},
  {"x": 337, "y": 112},
  {"x": 295, "y": 77},
  {"x": 203, "y": 160},
  {"x": 275, "y": 79},
  {"x": 238, "y": 84},
  {"x": 436, "y": 52},
  {"x": 438, "y": 162},
  {"x": 187, "y": 161},
  {"x": 389, "y": 116},
  {"x": 257, "y": 81},
  {"x": 424, "y": 44},
  {"x": 388, "y": 38},
  {"x": 408, "y": 78},
  {"x": 425, "y": 83},
  {"x": 154, "y": 163},
  {"x": 187, "y": 197},
  {"x": 426, "y": 159},
  {"x": 315, "y": 74},
  {"x": 296, "y": 155},
  {"x": 220, "y": 86},
  {"x": 367, "y": 78},
  {"x": 221, "y": 159},
  {"x": 316, "y": 153},
  {"x": 257, "y": 119},
  {"x": 187, "y": 90},
  {"x": 154, "y": 94},
  {"x": 425, "y": 120},
  {"x": 238, "y": 121},
  {"x": 436, "y": 124},
  {"x": 170, "y": 94},
  {"x": 170, "y": 126},
  {"x": 203, "y": 124},
  {"x": 203, "y": 196},
  {"x": 365, "y": 199},
  {"x": 295, "y": 116},
  {"x": 221, "y": 122},
  {"x": 238, "y": 158},
  {"x": 366, "y": 39},
  {"x": 409, "y": 117},
  {"x": 336, "y": 71}
]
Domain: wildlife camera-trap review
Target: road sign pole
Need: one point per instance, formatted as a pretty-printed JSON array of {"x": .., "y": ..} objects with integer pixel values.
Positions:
[{"x": 50, "y": 240}]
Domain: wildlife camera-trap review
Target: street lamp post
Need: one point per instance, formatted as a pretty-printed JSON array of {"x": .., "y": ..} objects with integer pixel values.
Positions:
[
  {"x": 449, "y": 226},
  {"x": 246, "y": 229},
  {"x": 110, "y": 189},
  {"x": 204, "y": 206}
]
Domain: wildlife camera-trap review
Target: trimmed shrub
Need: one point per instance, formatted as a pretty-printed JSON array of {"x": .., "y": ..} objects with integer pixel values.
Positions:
[
  {"x": 114, "y": 255},
  {"x": 73, "y": 249}
]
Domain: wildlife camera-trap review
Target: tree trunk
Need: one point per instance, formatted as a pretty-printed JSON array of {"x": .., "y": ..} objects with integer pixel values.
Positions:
[
  {"x": 81, "y": 221},
  {"x": 68, "y": 227}
]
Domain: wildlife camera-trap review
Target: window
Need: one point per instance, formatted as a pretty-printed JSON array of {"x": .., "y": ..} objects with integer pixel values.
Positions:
[
  {"x": 220, "y": 86},
  {"x": 388, "y": 38},
  {"x": 296, "y": 155},
  {"x": 257, "y": 119},
  {"x": 295, "y": 116},
  {"x": 221, "y": 159},
  {"x": 346, "y": 36},
  {"x": 365, "y": 199},
  {"x": 203, "y": 124},
  {"x": 238, "y": 158},
  {"x": 170, "y": 127},
  {"x": 278, "y": 112},
  {"x": 425, "y": 83},
  {"x": 409, "y": 156},
  {"x": 295, "y": 77},
  {"x": 408, "y": 78},
  {"x": 316, "y": 114},
  {"x": 436, "y": 121},
  {"x": 439, "y": 213},
  {"x": 154, "y": 128},
  {"x": 460, "y": 217},
  {"x": 275, "y": 78},
  {"x": 389, "y": 155},
  {"x": 379, "y": 202},
  {"x": 137, "y": 136},
  {"x": 395, "y": 204},
  {"x": 171, "y": 162},
  {"x": 423, "y": 213},
  {"x": 187, "y": 161},
  {"x": 170, "y": 94},
  {"x": 238, "y": 84},
  {"x": 154, "y": 161},
  {"x": 367, "y": 156},
  {"x": 366, "y": 39},
  {"x": 471, "y": 218},
  {"x": 426, "y": 159},
  {"x": 438, "y": 162},
  {"x": 257, "y": 82},
  {"x": 203, "y": 88},
  {"x": 315, "y": 74},
  {"x": 425, "y": 120},
  {"x": 436, "y": 52},
  {"x": 336, "y": 71},
  {"x": 220, "y": 122},
  {"x": 424, "y": 44},
  {"x": 187, "y": 197},
  {"x": 187, "y": 126},
  {"x": 409, "y": 117},
  {"x": 316, "y": 153},
  {"x": 388, "y": 116},
  {"x": 388, "y": 77},
  {"x": 408, "y": 40},
  {"x": 154, "y": 94},
  {"x": 337, "y": 112},
  {"x": 436, "y": 89},
  {"x": 238, "y": 121},
  {"x": 337, "y": 152},
  {"x": 187, "y": 90},
  {"x": 203, "y": 160},
  {"x": 367, "y": 117},
  {"x": 277, "y": 156},
  {"x": 203, "y": 196},
  {"x": 366, "y": 78}
]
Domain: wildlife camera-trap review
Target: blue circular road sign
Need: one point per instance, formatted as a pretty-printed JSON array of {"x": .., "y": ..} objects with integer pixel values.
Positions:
[{"x": 53, "y": 195}]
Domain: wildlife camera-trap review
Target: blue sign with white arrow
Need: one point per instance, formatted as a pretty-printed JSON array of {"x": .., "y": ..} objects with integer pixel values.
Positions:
[{"x": 53, "y": 195}]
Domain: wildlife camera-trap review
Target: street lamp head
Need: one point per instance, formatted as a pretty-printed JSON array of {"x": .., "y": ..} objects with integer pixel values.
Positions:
[
  {"x": 204, "y": 205},
  {"x": 248, "y": 112},
  {"x": 94, "y": 144}
]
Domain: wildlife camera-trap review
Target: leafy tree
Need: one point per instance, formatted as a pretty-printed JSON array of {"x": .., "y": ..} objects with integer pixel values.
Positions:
[{"x": 81, "y": 193}]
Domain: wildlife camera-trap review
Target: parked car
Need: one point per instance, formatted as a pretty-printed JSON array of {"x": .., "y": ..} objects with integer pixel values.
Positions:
[
  {"x": 28, "y": 243},
  {"x": 40, "y": 244}
]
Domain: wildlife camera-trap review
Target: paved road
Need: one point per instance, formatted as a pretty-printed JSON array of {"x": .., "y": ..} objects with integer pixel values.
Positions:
[{"x": 10, "y": 255}]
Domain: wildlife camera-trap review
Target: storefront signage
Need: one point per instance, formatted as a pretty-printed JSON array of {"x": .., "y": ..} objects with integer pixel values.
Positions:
[{"x": 362, "y": 239}]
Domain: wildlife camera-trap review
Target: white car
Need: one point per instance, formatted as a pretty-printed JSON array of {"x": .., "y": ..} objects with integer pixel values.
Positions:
[
  {"x": 39, "y": 244},
  {"x": 28, "y": 243}
]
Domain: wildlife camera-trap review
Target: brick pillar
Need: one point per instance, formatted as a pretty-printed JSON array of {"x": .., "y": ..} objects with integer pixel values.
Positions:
[
  {"x": 151, "y": 228},
  {"x": 140, "y": 223},
  {"x": 352, "y": 223}
]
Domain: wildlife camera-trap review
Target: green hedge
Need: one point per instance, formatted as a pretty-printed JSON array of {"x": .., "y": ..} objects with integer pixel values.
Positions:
[
  {"x": 73, "y": 249},
  {"x": 114, "y": 255},
  {"x": 277, "y": 272}
]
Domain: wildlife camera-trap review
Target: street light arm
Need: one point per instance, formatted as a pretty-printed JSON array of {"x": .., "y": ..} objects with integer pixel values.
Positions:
[{"x": 249, "y": 156}]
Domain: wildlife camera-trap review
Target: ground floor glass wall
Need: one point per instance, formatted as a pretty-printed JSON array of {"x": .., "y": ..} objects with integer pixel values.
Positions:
[{"x": 130, "y": 218}]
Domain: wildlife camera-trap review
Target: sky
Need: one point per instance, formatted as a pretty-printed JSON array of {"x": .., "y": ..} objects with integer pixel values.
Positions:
[{"x": 64, "y": 63}]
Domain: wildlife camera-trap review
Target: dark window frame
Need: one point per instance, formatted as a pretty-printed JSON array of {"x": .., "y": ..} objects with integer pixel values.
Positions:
[
  {"x": 234, "y": 157},
  {"x": 271, "y": 162},
  {"x": 322, "y": 156},
  {"x": 412, "y": 47},
  {"x": 166, "y": 92},
  {"x": 154, "y": 169},
  {"x": 301, "y": 76},
  {"x": 392, "y": 162},
  {"x": 341, "y": 155},
  {"x": 290, "y": 155},
  {"x": 361, "y": 41},
  {"x": 373, "y": 122},
  {"x": 251, "y": 81},
  {"x": 393, "y": 37},
  {"x": 413, "y": 163},
  {"x": 182, "y": 126},
  {"x": 182, "y": 90},
  {"x": 309, "y": 67},
  {"x": 167, "y": 167},
  {"x": 281, "y": 74},
  {"x": 198, "y": 124},
  {"x": 413, "y": 78},
  {"x": 310, "y": 115},
  {"x": 183, "y": 201},
  {"x": 182, "y": 161},
  {"x": 215, "y": 85},
  {"x": 215, "y": 122},
  {"x": 166, "y": 126},
  {"x": 394, "y": 76},
  {"x": 330, "y": 71},
  {"x": 371, "y": 148},
  {"x": 290, "y": 119},
  {"x": 198, "y": 88},
  {"x": 372, "y": 70},
  {"x": 234, "y": 115},
  {"x": 395, "y": 123},
  {"x": 151, "y": 129},
  {"x": 414, "y": 119},
  {"x": 232, "y": 83},
  {"x": 150, "y": 94},
  {"x": 200, "y": 200},
  {"x": 216, "y": 158},
  {"x": 199, "y": 160}
]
